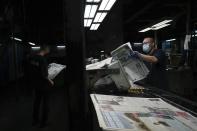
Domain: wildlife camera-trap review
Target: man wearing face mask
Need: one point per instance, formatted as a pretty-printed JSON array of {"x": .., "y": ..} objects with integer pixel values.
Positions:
[{"x": 155, "y": 60}]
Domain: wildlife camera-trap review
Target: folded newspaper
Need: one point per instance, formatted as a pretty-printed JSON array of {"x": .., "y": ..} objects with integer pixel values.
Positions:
[
  {"x": 118, "y": 113},
  {"x": 54, "y": 69}
]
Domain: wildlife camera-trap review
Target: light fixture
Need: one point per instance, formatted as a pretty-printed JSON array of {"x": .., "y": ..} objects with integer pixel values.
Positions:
[
  {"x": 144, "y": 30},
  {"x": 90, "y": 11},
  {"x": 137, "y": 43},
  {"x": 97, "y": 1},
  {"x": 106, "y": 4},
  {"x": 93, "y": 11},
  {"x": 31, "y": 43},
  {"x": 94, "y": 26},
  {"x": 61, "y": 46},
  {"x": 85, "y": 22},
  {"x": 170, "y": 40},
  {"x": 161, "y": 23},
  {"x": 93, "y": 1},
  {"x": 17, "y": 39},
  {"x": 87, "y": 11},
  {"x": 110, "y": 4},
  {"x": 160, "y": 27},
  {"x": 100, "y": 17},
  {"x": 36, "y": 47},
  {"x": 89, "y": 22},
  {"x": 157, "y": 26},
  {"x": 97, "y": 17}
]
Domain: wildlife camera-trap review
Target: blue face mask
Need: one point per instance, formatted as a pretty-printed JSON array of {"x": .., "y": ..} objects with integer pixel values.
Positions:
[{"x": 146, "y": 48}]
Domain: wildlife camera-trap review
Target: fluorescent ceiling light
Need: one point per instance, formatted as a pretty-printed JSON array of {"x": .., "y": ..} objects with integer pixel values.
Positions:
[
  {"x": 61, "y": 46},
  {"x": 97, "y": 1},
  {"x": 90, "y": 11},
  {"x": 100, "y": 17},
  {"x": 93, "y": 1},
  {"x": 103, "y": 4},
  {"x": 17, "y": 39},
  {"x": 93, "y": 11},
  {"x": 161, "y": 23},
  {"x": 89, "y": 22},
  {"x": 110, "y": 4},
  {"x": 94, "y": 26},
  {"x": 137, "y": 43},
  {"x": 170, "y": 40},
  {"x": 32, "y": 43},
  {"x": 106, "y": 4},
  {"x": 97, "y": 17},
  {"x": 159, "y": 27},
  {"x": 85, "y": 22},
  {"x": 36, "y": 47},
  {"x": 102, "y": 51},
  {"x": 144, "y": 30},
  {"x": 87, "y": 11}
]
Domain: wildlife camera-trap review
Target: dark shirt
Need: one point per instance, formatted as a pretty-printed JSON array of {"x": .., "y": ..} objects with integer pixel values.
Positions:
[
  {"x": 38, "y": 71},
  {"x": 157, "y": 76}
]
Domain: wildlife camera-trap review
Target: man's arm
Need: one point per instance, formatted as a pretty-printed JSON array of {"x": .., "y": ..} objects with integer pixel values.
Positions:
[{"x": 148, "y": 58}]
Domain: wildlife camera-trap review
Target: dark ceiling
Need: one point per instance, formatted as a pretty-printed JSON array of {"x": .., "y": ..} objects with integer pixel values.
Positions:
[
  {"x": 142, "y": 13},
  {"x": 41, "y": 21}
]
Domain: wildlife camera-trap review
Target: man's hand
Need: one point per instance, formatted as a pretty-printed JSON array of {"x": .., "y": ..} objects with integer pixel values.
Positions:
[{"x": 135, "y": 54}]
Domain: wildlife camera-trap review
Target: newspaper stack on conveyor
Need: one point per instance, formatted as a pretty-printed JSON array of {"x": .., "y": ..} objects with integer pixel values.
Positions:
[
  {"x": 116, "y": 113},
  {"x": 54, "y": 69}
]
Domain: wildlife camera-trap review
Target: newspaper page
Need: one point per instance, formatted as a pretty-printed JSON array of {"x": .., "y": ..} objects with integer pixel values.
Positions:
[
  {"x": 54, "y": 69},
  {"x": 140, "y": 114},
  {"x": 99, "y": 65},
  {"x": 134, "y": 67}
]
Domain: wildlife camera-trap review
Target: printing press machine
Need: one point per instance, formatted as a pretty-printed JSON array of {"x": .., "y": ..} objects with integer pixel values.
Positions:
[{"x": 123, "y": 84}]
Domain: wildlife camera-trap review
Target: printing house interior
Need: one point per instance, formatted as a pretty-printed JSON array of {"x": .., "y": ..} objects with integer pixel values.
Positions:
[{"x": 98, "y": 65}]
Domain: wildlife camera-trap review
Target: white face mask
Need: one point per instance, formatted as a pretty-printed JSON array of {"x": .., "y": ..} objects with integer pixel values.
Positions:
[{"x": 146, "y": 48}]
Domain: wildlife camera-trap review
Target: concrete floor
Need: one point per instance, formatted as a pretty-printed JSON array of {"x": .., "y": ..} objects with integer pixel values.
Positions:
[{"x": 16, "y": 114}]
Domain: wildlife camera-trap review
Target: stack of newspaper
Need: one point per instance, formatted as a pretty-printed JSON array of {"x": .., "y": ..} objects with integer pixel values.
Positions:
[{"x": 140, "y": 114}]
